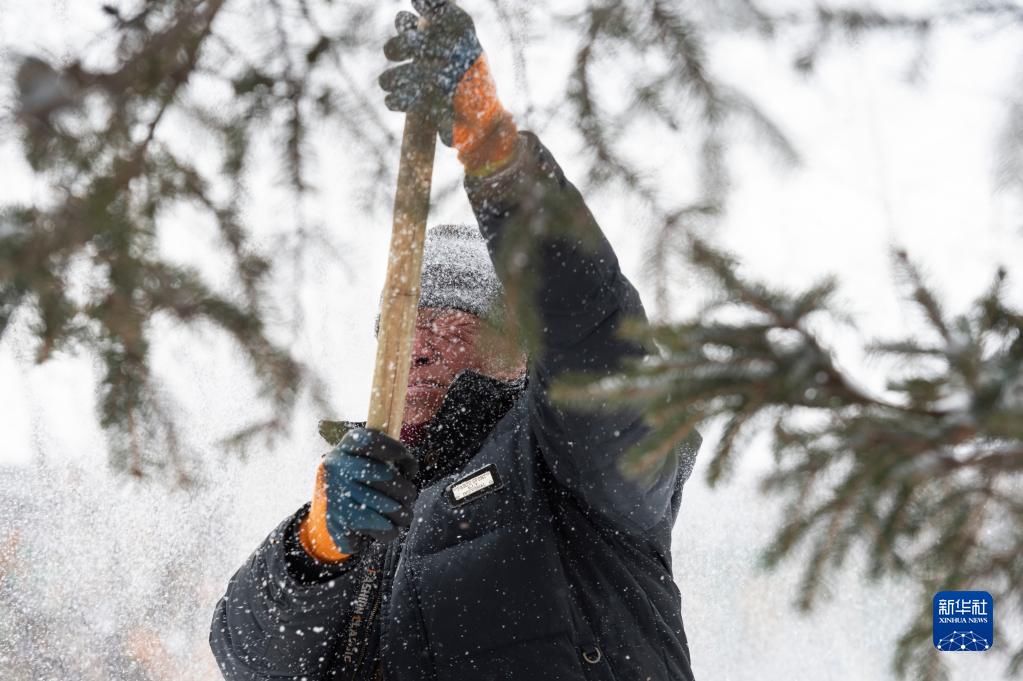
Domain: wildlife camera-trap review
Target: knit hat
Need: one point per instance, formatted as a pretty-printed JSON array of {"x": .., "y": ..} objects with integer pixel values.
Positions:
[{"x": 458, "y": 273}]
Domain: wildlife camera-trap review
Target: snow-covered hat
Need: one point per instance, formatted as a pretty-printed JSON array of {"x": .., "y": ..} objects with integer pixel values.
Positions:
[{"x": 458, "y": 273}]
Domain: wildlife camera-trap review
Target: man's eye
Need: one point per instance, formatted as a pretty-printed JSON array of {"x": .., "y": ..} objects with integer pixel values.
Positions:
[{"x": 449, "y": 330}]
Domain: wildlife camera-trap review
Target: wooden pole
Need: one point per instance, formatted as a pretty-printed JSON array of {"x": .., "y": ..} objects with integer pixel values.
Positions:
[{"x": 400, "y": 299}]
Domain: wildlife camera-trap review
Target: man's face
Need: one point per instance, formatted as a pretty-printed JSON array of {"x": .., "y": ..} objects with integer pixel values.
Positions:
[{"x": 446, "y": 342}]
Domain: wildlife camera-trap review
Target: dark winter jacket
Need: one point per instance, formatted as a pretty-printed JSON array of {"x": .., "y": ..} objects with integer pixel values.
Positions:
[{"x": 531, "y": 557}]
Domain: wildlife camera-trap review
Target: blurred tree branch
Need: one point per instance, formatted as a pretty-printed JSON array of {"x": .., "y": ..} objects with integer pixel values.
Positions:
[
  {"x": 925, "y": 477},
  {"x": 105, "y": 141},
  {"x": 927, "y": 481}
]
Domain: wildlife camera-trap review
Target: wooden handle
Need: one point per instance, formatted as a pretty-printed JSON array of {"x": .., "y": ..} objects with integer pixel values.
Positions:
[{"x": 400, "y": 299}]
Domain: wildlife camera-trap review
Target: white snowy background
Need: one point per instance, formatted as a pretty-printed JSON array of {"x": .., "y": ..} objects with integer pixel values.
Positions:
[{"x": 886, "y": 162}]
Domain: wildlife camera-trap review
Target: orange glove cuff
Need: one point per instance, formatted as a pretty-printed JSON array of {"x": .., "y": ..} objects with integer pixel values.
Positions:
[
  {"x": 312, "y": 532},
  {"x": 483, "y": 132}
]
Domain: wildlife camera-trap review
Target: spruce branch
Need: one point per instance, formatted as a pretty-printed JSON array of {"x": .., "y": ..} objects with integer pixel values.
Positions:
[
  {"x": 925, "y": 480},
  {"x": 615, "y": 26}
]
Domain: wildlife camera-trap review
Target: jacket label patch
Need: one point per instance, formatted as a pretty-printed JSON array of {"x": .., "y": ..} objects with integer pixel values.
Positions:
[{"x": 474, "y": 485}]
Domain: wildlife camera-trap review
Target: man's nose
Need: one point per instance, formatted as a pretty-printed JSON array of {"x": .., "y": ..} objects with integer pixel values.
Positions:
[{"x": 422, "y": 350}]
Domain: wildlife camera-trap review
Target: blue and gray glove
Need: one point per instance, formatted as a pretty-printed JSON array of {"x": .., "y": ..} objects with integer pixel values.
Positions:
[
  {"x": 364, "y": 491},
  {"x": 446, "y": 75},
  {"x": 438, "y": 52}
]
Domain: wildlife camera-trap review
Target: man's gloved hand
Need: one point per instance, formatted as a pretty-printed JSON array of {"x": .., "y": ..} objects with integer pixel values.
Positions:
[
  {"x": 446, "y": 75},
  {"x": 364, "y": 491}
]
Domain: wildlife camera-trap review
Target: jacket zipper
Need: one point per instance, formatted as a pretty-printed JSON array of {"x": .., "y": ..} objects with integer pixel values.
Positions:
[
  {"x": 369, "y": 627},
  {"x": 386, "y": 580},
  {"x": 392, "y": 567}
]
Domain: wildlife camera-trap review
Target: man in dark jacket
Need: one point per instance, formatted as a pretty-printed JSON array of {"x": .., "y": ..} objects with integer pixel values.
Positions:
[{"x": 498, "y": 539}]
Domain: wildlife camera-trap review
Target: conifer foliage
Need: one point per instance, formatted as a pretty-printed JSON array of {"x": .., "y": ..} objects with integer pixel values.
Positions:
[
  {"x": 105, "y": 140},
  {"x": 925, "y": 479},
  {"x": 101, "y": 140}
]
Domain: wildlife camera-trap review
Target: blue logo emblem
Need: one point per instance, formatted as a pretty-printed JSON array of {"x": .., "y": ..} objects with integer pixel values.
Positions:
[{"x": 963, "y": 621}]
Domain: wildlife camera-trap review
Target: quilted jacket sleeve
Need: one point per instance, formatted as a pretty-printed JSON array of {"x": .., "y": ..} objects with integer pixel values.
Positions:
[
  {"x": 581, "y": 297},
  {"x": 283, "y": 613}
]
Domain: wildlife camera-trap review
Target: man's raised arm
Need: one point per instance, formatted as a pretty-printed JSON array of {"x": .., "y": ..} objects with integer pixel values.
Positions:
[{"x": 581, "y": 299}]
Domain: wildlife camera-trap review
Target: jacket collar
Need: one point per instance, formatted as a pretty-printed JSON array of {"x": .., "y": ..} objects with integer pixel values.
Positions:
[{"x": 471, "y": 408}]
